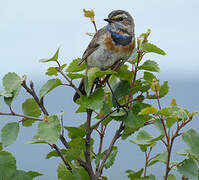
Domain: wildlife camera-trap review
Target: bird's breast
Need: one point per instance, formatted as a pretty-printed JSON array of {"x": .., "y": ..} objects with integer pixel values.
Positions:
[{"x": 126, "y": 49}]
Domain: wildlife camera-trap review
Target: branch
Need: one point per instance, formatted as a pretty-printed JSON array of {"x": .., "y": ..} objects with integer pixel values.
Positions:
[
  {"x": 103, "y": 118},
  {"x": 59, "y": 69},
  {"x": 31, "y": 91},
  {"x": 100, "y": 144},
  {"x": 62, "y": 157},
  {"x": 21, "y": 115},
  {"x": 95, "y": 26},
  {"x": 116, "y": 136},
  {"x": 169, "y": 148},
  {"x": 87, "y": 145}
]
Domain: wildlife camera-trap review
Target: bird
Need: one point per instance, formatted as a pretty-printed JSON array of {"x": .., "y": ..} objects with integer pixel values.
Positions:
[{"x": 110, "y": 44}]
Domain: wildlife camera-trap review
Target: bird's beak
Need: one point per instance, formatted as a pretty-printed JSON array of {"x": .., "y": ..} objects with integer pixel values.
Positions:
[{"x": 108, "y": 20}]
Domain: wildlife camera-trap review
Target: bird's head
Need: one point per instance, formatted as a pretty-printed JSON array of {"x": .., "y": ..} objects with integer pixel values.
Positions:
[{"x": 120, "y": 20}]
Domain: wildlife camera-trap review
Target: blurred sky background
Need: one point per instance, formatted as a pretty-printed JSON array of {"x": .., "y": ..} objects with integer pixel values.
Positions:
[{"x": 33, "y": 29}]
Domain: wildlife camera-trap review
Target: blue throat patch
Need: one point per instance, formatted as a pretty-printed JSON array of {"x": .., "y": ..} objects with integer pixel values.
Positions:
[{"x": 118, "y": 38}]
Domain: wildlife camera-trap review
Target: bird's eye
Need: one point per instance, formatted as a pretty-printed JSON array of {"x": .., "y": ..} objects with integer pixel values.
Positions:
[{"x": 120, "y": 19}]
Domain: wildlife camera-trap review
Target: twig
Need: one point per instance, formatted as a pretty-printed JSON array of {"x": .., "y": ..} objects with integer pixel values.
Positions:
[
  {"x": 41, "y": 105},
  {"x": 59, "y": 69},
  {"x": 162, "y": 121},
  {"x": 54, "y": 146},
  {"x": 31, "y": 91},
  {"x": 103, "y": 118},
  {"x": 147, "y": 160},
  {"x": 100, "y": 144},
  {"x": 95, "y": 26},
  {"x": 62, "y": 125},
  {"x": 169, "y": 147},
  {"x": 116, "y": 136},
  {"x": 21, "y": 115},
  {"x": 88, "y": 146},
  {"x": 64, "y": 142}
]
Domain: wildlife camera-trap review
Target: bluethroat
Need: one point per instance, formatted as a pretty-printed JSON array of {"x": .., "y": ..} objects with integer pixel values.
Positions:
[{"x": 112, "y": 43}]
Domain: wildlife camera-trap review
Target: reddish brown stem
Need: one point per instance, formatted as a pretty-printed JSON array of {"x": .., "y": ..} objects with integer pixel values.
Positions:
[{"x": 94, "y": 26}]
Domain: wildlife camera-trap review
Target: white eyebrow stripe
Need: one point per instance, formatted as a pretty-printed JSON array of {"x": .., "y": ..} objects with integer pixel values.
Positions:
[{"x": 121, "y": 15}]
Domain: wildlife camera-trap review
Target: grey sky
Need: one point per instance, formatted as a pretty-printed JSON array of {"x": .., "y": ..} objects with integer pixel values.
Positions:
[{"x": 31, "y": 30}]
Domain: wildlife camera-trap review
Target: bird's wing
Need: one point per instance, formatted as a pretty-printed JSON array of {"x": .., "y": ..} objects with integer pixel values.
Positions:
[{"x": 93, "y": 45}]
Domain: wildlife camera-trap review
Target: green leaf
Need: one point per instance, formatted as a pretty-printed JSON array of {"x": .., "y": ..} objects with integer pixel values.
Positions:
[
  {"x": 120, "y": 89},
  {"x": 141, "y": 88},
  {"x": 75, "y": 75},
  {"x": 171, "y": 177},
  {"x": 143, "y": 147},
  {"x": 124, "y": 74},
  {"x": 155, "y": 85},
  {"x": 52, "y": 71},
  {"x": 7, "y": 165},
  {"x": 92, "y": 76},
  {"x": 54, "y": 58},
  {"x": 158, "y": 124},
  {"x": 64, "y": 174},
  {"x": 55, "y": 154},
  {"x": 143, "y": 136},
  {"x": 173, "y": 102},
  {"x": 170, "y": 122},
  {"x": 7, "y": 160},
  {"x": 1, "y": 146},
  {"x": 30, "y": 108},
  {"x": 134, "y": 175},
  {"x": 152, "y": 162},
  {"x": 49, "y": 86},
  {"x": 21, "y": 175},
  {"x": 178, "y": 113},
  {"x": 191, "y": 138},
  {"x": 138, "y": 106},
  {"x": 89, "y": 13},
  {"x": 133, "y": 121},
  {"x": 50, "y": 131},
  {"x": 103, "y": 73},
  {"x": 162, "y": 157},
  {"x": 4, "y": 93},
  {"x": 148, "y": 110},
  {"x": 191, "y": 114},
  {"x": 77, "y": 146},
  {"x": 165, "y": 111},
  {"x": 11, "y": 82},
  {"x": 149, "y": 76},
  {"x": 35, "y": 140},
  {"x": 95, "y": 100},
  {"x": 164, "y": 89},
  {"x": 80, "y": 109},
  {"x": 151, "y": 177},
  {"x": 111, "y": 159},
  {"x": 15, "y": 93},
  {"x": 152, "y": 48},
  {"x": 83, "y": 173},
  {"x": 33, "y": 174},
  {"x": 127, "y": 132},
  {"x": 188, "y": 168},
  {"x": 75, "y": 67},
  {"x": 75, "y": 132},
  {"x": 150, "y": 65},
  {"x": 9, "y": 133}
]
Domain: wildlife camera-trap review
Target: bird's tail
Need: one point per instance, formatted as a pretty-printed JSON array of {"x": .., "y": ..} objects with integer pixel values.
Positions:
[
  {"x": 81, "y": 89},
  {"x": 96, "y": 84}
]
